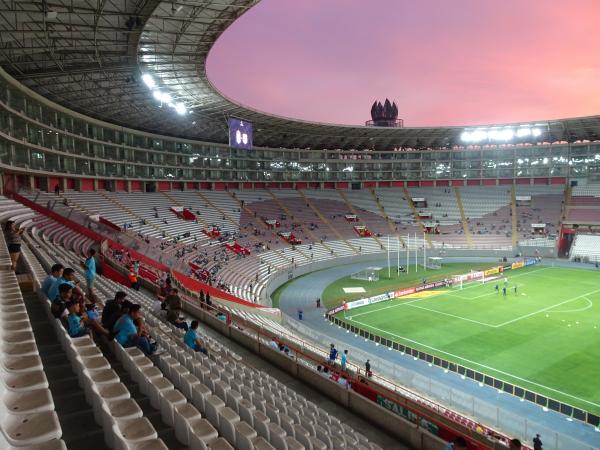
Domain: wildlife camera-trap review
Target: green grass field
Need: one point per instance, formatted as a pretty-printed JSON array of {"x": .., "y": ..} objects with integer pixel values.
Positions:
[{"x": 545, "y": 337}]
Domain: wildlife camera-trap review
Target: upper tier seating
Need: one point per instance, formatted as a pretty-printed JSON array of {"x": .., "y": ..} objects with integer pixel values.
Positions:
[{"x": 318, "y": 221}]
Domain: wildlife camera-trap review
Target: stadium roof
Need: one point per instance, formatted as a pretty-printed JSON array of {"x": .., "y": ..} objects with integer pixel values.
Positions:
[{"x": 90, "y": 55}]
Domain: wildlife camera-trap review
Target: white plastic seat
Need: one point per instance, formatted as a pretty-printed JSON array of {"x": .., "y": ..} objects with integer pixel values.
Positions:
[
  {"x": 134, "y": 431},
  {"x": 169, "y": 399},
  {"x": 30, "y": 429},
  {"x": 317, "y": 444},
  {"x": 220, "y": 444},
  {"x": 20, "y": 364},
  {"x": 24, "y": 381},
  {"x": 246, "y": 411},
  {"x": 200, "y": 393},
  {"x": 202, "y": 435},
  {"x": 277, "y": 436},
  {"x": 184, "y": 417},
  {"x": 244, "y": 435},
  {"x": 260, "y": 443},
  {"x": 155, "y": 386},
  {"x": 260, "y": 422},
  {"x": 213, "y": 405},
  {"x": 293, "y": 444},
  {"x": 28, "y": 402},
  {"x": 287, "y": 423},
  {"x": 55, "y": 444},
  {"x": 188, "y": 382},
  {"x": 227, "y": 420}
]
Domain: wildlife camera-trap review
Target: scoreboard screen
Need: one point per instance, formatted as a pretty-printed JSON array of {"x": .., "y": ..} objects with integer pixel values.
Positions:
[{"x": 240, "y": 134}]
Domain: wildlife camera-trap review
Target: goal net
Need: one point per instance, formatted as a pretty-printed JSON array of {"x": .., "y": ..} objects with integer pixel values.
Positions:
[
  {"x": 434, "y": 262},
  {"x": 367, "y": 274},
  {"x": 468, "y": 279}
]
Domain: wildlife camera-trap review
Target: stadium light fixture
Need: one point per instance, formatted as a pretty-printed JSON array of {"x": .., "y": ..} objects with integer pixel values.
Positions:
[
  {"x": 157, "y": 95},
  {"x": 148, "y": 80},
  {"x": 498, "y": 134},
  {"x": 166, "y": 98},
  {"x": 180, "y": 108}
]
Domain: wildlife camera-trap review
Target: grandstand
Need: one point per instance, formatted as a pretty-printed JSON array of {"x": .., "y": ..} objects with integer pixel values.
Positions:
[{"x": 90, "y": 160}]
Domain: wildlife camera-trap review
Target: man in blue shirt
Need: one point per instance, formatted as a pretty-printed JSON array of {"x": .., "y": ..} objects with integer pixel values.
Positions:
[
  {"x": 57, "y": 270},
  {"x": 128, "y": 335},
  {"x": 68, "y": 277},
  {"x": 90, "y": 271},
  {"x": 192, "y": 340},
  {"x": 332, "y": 355}
]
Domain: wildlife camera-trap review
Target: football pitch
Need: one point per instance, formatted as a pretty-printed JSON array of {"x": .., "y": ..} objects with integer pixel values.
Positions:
[{"x": 544, "y": 336}]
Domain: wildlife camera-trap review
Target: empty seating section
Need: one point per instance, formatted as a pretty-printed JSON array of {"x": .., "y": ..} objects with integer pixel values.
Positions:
[
  {"x": 214, "y": 401},
  {"x": 27, "y": 416},
  {"x": 241, "y": 215},
  {"x": 586, "y": 247},
  {"x": 584, "y": 206}
]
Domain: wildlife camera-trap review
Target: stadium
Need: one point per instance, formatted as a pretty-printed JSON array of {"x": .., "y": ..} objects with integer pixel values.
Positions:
[{"x": 177, "y": 267}]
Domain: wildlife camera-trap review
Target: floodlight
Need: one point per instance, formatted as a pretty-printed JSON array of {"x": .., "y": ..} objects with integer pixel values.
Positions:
[
  {"x": 180, "y": 108},
  {"x": 157, "y": 95},
  {"x": 465, "y": 136},
  {"x": 166, "y": 98},
  {"x": 148, "y": 80},
  {"x": 536, "y": 132},
  {"x": 522, "y": 132}
]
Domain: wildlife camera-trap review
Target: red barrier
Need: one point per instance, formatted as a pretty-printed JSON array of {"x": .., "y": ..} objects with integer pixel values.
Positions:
[{"x": 109, "y": 224}]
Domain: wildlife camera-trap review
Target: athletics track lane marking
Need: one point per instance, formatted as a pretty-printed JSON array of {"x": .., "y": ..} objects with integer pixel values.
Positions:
[{"x": 480, "y": 365}]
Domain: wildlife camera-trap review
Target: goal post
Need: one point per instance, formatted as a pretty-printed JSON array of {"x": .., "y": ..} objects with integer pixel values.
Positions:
[
  {"x": 367, "y": 274},
  {"x": 434, "y": 262}
]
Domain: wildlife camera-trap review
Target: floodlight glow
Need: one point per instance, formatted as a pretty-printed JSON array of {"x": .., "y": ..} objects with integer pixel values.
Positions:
[
  {"x": 523, "y": 132},
  {"x": 157, "y": 95},
  {"x": 180, "y": 108},
  {"x": 499, "y": 134},
  {"x": 536, "y": 132},
  {"x": 148, "y": 80},
  {"x": 166, "y": 98}
]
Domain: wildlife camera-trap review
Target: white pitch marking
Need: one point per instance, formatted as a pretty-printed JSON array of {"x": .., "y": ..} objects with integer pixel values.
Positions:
[{"x": 480, "y": 365}]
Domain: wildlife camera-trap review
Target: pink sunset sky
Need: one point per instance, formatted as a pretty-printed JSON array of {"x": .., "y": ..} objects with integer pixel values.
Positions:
[{"x": 444, "y": 62}]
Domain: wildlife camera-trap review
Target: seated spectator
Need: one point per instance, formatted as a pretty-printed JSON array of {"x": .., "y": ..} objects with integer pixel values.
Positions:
[
  {"x": 274, "y": 345},
  {"x": 57, "y": 271},
  {"x": 59, "y": 304},
  {"x": 74, "y": 326},
  {"x": 112, "y": 310},
  {"x": 343, "y": 381},
  {"x": 192, "y": 340},
  {"x": 174, "y": 318},
  {"x": 68, "y": 277},
  {"x": 128, "y": 335},
  {"x": 133, "y": 279},
  {"x": 222, "y": 317}
]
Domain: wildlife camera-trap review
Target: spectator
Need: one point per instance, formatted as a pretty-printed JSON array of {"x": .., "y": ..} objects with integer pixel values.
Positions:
[
  {"x": 344, "y": 360},
  {"x": 136, "y": 268},
  {"x": 173, "y": 301},
  {"x": 368, "y": 368},
  {"x": 220, "y": 316},
  {"x": 537, "y": 442},
  {"x": 128, "y": 335},
  {"x": 74, "y": 326},
  {"x": 90, "y": 271},
  {"x": 133, "y": 279},
  {"x": 174, "y": 318},
  {"x": 56, "y": 273},
  {"x": 457, "y": 444},
  {"x": 57, "y": 189},
  {"x": 68, "y": 277},
  {"x": 274, "y": 345},
  {"x": 515, "y": 444},
  {"x": 13, "y": 240},
  {"x": 343, "y": 381},
  {"x": 332, "y": 354},
  {"x": 192, "y": 340},
  {"x": 112, "y": 310},
  {"x": 59, "y": 304}
]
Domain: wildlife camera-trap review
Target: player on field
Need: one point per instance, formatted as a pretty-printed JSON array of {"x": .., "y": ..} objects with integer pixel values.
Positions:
[
  {"x": 504, "y": 291},
  {"x": 505, "y": 281},
  {"x": 515, "y": 289},
  {"x": 497, "y": 289}
]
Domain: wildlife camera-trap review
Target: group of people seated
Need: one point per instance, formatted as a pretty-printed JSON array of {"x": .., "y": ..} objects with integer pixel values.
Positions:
[{"x": 120, "y": 319}]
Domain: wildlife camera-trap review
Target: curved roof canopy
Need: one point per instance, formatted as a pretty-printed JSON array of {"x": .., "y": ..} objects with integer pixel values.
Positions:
[{"x": 90, "y": 56}]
